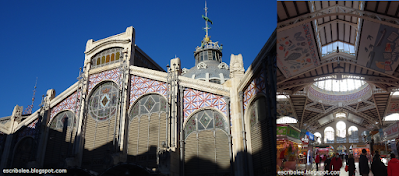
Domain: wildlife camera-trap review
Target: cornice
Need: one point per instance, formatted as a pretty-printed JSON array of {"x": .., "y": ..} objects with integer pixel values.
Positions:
[{"x": 148, "y": 73}]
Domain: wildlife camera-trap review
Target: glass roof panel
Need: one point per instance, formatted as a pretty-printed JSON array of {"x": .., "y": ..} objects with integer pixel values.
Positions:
[
  {"x": 332, "y": 48},
  {"x": 343, "y": 85}
]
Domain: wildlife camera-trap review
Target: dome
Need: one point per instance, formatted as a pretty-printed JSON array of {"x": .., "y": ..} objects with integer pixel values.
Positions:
[
  {"x": 208, "y": 63},
  {"x": 209, "y": 70},
  {"x": 338, "y": 92},
  {"x": 343, "y": 86}
]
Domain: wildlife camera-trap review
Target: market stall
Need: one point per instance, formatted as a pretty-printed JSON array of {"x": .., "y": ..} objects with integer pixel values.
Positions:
[
  {"x": 357, "y": 151},
  {"x": 341, "y": 149},
  {"x": 288, "y": 147},
  {"x": 389, "y": 138}
]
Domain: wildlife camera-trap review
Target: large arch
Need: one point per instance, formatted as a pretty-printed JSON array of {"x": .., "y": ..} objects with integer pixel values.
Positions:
[
  {"x": 101, "y": 125},
  {"x": 255, "y": 124},
  {"x": 23, "y": 152},
  {"x": 60, "y": 139},
  {"x": 147, "y": 129},
  {"x": 207, "y": 148}
]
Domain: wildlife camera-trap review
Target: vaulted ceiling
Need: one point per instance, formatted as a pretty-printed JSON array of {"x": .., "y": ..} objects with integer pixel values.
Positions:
[{"x": 300, "y": 64}]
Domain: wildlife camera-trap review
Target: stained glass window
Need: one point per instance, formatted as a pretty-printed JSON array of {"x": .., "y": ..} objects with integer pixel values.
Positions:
[
  {"x": 65, "y": 117},
  {"x": 341, "y": 132},
  {"x": 205, "y": 120},
  {"x": 106, "y": 57},
  {"x": 103, "y": 102},
  {"x": 329, "y": 135},
  {"x": 353, "y": 134},
  {"x": 148, "y": 104}
]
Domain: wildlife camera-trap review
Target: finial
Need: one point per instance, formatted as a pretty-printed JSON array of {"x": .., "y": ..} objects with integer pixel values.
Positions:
[
  {"x": 33, "y": 96},
  {"x": 206, "y": 39}
]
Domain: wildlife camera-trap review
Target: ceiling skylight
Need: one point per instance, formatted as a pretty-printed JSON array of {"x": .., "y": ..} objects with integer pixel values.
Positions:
[
  {"x": 340, "y": 114},
  {"x": 343, "y": 48},
  {"x": 343, "y": 85},
  {"x": 392, "y": 117}
]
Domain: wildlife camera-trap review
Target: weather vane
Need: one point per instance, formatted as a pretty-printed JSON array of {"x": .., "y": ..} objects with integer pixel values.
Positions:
[{"x": 206, "y": 22}]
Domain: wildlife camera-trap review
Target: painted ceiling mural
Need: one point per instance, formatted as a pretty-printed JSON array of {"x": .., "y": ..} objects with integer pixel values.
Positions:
[
  {"x": 284, "y": 109},
  {"x": 379, "y": 47},
  {"x": 296, "y": 50},
  {"x": 393, "y": 107}
]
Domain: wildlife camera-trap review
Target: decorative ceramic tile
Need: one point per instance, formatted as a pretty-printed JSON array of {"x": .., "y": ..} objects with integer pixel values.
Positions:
[
  {"x": 140, "y": 86},
  {"x": 257, "y": 85},
  {"x": 30, "y": 130},
  {"x": 195, "y": 99},
  {"x": 94, "y": 79},
  {"x": 67, "y": 103}
]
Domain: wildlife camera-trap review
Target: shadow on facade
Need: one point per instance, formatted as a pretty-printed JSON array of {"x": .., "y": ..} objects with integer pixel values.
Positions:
[{"x": 200, "y": 166}]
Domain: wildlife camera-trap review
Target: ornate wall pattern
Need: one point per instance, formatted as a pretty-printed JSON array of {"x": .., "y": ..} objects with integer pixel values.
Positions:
[
  {"x": 195, "y": 99},
  {"x": 98, "y": 77},
  {"x": 257, "y": 85},
  {"x": 30, "y": 130},
  {"x": 393, "y": 107},
  {"x": 140, "y": 86},
  {"x": 67, "y": 103}
]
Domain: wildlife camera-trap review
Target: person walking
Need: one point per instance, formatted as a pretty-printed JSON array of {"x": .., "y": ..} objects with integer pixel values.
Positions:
[
  {"x": 377, "y": 167},
  {"x": 393, "y": 166},
  {"x": 317, "y": 161},
  {"x": 336, "y": 163},
  {"x": 351, "y": 165},
  {"x": 364, "y": 168},
  {"x": 327, "y": 165}
]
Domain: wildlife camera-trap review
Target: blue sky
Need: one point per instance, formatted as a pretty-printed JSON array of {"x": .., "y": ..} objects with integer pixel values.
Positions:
[{"x": 46, "y": 39}]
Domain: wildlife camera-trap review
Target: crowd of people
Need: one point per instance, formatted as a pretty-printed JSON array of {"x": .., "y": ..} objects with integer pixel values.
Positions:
[{"x": 377, "y": 167}]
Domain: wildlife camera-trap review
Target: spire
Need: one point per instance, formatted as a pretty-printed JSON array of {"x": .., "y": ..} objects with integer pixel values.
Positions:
[
  {"x": 34, "y": 92},
  {"x": 206, "y": 39},
  {"x": 28, "y": 109}
]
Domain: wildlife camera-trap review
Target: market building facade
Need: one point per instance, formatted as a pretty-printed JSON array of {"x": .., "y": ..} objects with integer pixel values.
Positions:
[{"x": 127, "y": 115}]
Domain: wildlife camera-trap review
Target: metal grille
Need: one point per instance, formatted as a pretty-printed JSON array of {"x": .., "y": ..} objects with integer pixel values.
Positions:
[
  {"x": 100, "y": 133},
  {"x": 147, "y": 130},
  {"x": 207, "y": 153}
]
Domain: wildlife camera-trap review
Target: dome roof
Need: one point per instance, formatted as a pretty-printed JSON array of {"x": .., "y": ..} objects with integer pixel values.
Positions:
[{"x": 208, "y": 70}]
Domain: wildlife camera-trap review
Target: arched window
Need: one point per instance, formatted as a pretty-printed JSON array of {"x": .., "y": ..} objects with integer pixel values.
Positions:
[
  {"x": 102, "y": 103},
  {"x": 101, "y": 126},
  {"x": 106, "y": 57},
  {"x": 341, "y": 132},
  {"x": 353, "y": 133},
  {"x": 207, "y": 149},
  {"x": 60, "y": 139},
  {"x": 329, "y": 135},
  {"x": 318, "y": 135},
  {"x": 147, "y": 129}
]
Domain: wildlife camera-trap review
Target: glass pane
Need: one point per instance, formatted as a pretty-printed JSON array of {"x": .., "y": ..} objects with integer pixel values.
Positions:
[
  {"x": 344, "y": 85},
  {"x": 328, "y": 85}
]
